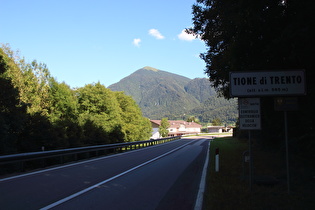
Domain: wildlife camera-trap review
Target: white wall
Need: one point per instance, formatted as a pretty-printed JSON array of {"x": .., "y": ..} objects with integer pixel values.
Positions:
[{"x": 155, "y": 133}]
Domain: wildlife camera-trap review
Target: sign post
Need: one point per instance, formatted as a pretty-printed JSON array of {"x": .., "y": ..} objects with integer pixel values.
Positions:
[
  {"x": 249, "y": 116},
  {"x": 267, "y": 83},
  {"x": 286, "y": 104}
]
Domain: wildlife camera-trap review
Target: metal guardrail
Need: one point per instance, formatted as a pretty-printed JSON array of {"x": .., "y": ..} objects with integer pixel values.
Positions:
[{"x": 98, "y": 150}]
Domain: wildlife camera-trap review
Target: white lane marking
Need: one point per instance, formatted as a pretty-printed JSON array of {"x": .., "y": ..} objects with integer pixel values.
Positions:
[
  {"x": 110, "y": 179},
  {"x": 202, "y": 185},
  {"x": 81, "y": 162}
]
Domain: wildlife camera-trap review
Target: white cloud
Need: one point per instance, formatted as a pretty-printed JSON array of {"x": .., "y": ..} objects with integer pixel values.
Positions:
[
  {"x": 156, "y": 33},
  {"x": 185, "y": 36},
  {"x": 136, "y": 42}
]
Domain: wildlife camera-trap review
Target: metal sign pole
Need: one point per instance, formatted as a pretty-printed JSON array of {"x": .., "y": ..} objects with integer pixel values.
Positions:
[
  {"x": 249, "y": 114},
  {"x": 287, "y": 149},
  {"x": 250, "y": 162}
]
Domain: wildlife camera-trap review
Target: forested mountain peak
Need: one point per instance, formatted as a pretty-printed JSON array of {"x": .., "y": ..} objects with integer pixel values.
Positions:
[
  {"x": 149, "y": 73},
  {"x": 163, "y": 94}
]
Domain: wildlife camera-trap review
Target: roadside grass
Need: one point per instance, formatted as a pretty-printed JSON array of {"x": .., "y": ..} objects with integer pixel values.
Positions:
[{"x": 227, "y": 189}]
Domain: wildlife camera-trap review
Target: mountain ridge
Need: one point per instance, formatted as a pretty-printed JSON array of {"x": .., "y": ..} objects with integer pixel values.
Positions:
[{"x": 163, "y": 94}]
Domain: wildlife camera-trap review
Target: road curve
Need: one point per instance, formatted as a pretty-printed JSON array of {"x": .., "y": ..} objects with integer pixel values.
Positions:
[{"x": 164, "y": 176}]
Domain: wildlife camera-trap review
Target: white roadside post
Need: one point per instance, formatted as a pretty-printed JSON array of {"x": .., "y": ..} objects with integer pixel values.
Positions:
[{"x": 217, "y": 160}]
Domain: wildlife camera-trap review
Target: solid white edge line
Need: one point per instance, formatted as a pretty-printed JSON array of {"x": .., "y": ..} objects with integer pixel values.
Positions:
[
  {"x": 202, "y": 185},
  {"x": 78, "y": 163},
  {"x": 108, "y": 180}
]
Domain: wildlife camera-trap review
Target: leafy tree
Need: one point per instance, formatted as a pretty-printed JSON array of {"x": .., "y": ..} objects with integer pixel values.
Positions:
[
  {"x": 62, "y": 102},
  {"x": 135, "y": 125},
  {"x": 193, "y": 119},
  {"x": 163, "y": 128},
  {"x": 63, "y": 113},
  {"x": 216, "y": 122},
  {"x": 38, "y": 132},
  {"x": 32, "y": 80},
  {"x": 98, "y": 105},
  {"x": 12, "y": 115},
  {"x": 94, "y": 134},
  {"x": 23, "y": 132}
]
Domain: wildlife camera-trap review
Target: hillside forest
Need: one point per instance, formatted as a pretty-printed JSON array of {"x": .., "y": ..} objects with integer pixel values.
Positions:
[
  {"x": 162, "y": 94},
  {"x": 37, "y": 112}
]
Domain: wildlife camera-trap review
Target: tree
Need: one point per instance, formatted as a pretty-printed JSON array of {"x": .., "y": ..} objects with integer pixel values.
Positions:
[
  {"x": 253, "y": 35},
  {"x": 98, "y": 106},
  {"x": 63, "y": 114},
  {"x": 31, "y": 79},
  {"x": 163, "y": 128},
  {"x": 62, "y": 102},
  {"x": 12, "y": 115},
  {"x": 23, "y": 130},
  {"x": 193, "y": 119},
  {"x": 216, "y": 122},
  {"x": 260, "y": 35},
  {"x": 135, "y": 126}
]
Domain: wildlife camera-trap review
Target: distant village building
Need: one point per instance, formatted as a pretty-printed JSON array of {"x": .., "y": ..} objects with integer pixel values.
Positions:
[
  {"x": 220, "y": 129},
  {"x": 177, "y": 128}
]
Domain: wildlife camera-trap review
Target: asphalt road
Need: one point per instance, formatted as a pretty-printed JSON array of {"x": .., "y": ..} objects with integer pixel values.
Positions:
[{"x": 165, "y": 176}]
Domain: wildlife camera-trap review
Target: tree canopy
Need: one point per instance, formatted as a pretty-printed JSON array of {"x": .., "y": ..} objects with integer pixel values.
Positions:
[
  {"x": 266, "y": 35},
  {"x": 216, "y": 122},
  {"x": 253, "y": 35}
]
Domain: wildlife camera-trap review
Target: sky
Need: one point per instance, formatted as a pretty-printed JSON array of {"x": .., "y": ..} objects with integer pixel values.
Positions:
[{"x": 88, "y": 41}]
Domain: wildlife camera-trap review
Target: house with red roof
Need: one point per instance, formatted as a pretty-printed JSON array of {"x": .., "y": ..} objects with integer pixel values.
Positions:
[{"x": 177, "y": 128}]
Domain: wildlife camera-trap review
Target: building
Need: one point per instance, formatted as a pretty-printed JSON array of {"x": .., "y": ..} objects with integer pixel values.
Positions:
[
  {"x": 177, "y": 128},
  {"x": 220, "y": 129}
]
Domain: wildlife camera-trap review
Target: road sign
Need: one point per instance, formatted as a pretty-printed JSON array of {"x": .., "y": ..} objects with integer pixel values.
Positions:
[
  {"x": 249, "y": 113},
  {"x": 286, "y": 104},
  {"x": 269, "y": 83}
]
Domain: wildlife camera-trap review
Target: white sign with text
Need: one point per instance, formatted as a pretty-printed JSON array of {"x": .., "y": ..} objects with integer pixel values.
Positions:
[
  {"x": 249, "y": 113},
  {"x": 269, "y": 83}
]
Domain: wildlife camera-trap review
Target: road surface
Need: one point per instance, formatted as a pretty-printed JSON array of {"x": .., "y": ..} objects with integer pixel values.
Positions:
[{"x": 165, "y": 176}]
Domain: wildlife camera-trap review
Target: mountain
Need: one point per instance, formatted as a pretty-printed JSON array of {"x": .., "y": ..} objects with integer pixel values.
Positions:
[{"x": 163, "y": 94}]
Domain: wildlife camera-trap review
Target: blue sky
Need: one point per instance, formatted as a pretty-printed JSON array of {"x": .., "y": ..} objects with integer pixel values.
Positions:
[{"x": 86, "y": 41}]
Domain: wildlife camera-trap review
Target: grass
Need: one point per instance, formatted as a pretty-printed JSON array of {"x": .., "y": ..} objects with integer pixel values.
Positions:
[{"x": 227, "y": 190}]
